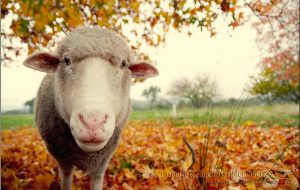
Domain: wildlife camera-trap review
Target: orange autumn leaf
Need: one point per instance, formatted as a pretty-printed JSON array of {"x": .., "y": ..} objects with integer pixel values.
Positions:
[
  {"x": 43, "y": 181},
  {"x": 152, "y": 155}
]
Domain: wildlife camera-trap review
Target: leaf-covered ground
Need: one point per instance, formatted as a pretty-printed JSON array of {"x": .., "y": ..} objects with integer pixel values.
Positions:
[{"x": 153, "y": 155}]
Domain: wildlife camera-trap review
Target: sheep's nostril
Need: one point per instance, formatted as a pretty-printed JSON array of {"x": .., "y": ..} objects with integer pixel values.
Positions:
[{"x": 93, "y": 121}]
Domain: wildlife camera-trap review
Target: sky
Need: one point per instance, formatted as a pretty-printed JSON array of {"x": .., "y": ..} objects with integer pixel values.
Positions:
[{"x": 229, "y": 58}]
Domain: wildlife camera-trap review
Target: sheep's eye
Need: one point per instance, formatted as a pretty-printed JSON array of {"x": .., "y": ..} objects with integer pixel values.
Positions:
[
  {"x": 123, "y": 64},
  {"x": 67, "y": 61}
]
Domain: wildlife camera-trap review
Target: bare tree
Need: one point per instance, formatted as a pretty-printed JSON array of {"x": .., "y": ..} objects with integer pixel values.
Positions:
[
  {"x": 30, "y": 105},
  {"x": 151, "y": 95},
  {"x": 199, "y": 90}
]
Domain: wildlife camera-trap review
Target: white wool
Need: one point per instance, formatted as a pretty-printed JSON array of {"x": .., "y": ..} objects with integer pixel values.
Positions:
[{"x": 86, "y": 42}]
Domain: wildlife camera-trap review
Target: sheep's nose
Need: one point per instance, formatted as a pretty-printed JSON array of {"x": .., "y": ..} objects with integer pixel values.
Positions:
[{"x": 93, "y": 121}]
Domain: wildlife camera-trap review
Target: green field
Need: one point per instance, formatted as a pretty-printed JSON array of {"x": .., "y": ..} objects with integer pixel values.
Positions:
[
  {"x": 267, "y": 115},
  {"x": 16, "y": 121}
]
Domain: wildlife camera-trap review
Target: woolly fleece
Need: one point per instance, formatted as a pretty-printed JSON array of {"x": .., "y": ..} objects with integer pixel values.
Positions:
[{"x": 86, "y": 41}]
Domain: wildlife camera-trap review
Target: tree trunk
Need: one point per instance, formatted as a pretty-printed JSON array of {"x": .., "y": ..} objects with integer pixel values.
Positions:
[{"x": 174, "y": 110}]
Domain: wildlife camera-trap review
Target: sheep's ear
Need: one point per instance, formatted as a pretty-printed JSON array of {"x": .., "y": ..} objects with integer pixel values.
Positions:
[
  {"x": 42, "y": 61},
  {"x": 142, "y": 69}
]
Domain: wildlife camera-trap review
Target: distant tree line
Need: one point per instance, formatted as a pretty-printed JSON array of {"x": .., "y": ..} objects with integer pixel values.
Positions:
[{"x": 200, "y": 91}]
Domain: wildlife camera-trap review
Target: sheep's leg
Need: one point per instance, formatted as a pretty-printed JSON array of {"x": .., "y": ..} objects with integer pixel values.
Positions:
[
  {"x": 97, "y": 181},
  {"x": 66, "y": 177}
]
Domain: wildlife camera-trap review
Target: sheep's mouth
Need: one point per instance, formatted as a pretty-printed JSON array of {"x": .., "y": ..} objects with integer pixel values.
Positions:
[
  {"x": 94, "y": 141},
  {"x": 91, "y": 146}
]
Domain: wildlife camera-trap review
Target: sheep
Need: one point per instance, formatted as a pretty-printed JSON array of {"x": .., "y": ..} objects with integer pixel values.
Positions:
[{"x": 83, "y": 101}]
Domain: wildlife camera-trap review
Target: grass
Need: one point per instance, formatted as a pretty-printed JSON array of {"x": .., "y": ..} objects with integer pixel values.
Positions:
[
  {"x": 16, "y": 121},
  {"x": 266, "y": 115}
]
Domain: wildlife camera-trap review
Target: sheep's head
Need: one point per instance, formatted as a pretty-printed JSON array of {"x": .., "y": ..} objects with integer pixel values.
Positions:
[{"x": 93, "y": 69}]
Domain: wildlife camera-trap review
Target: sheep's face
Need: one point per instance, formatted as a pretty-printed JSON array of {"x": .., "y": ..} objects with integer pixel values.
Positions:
[{"x": 92, "y": 94}]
